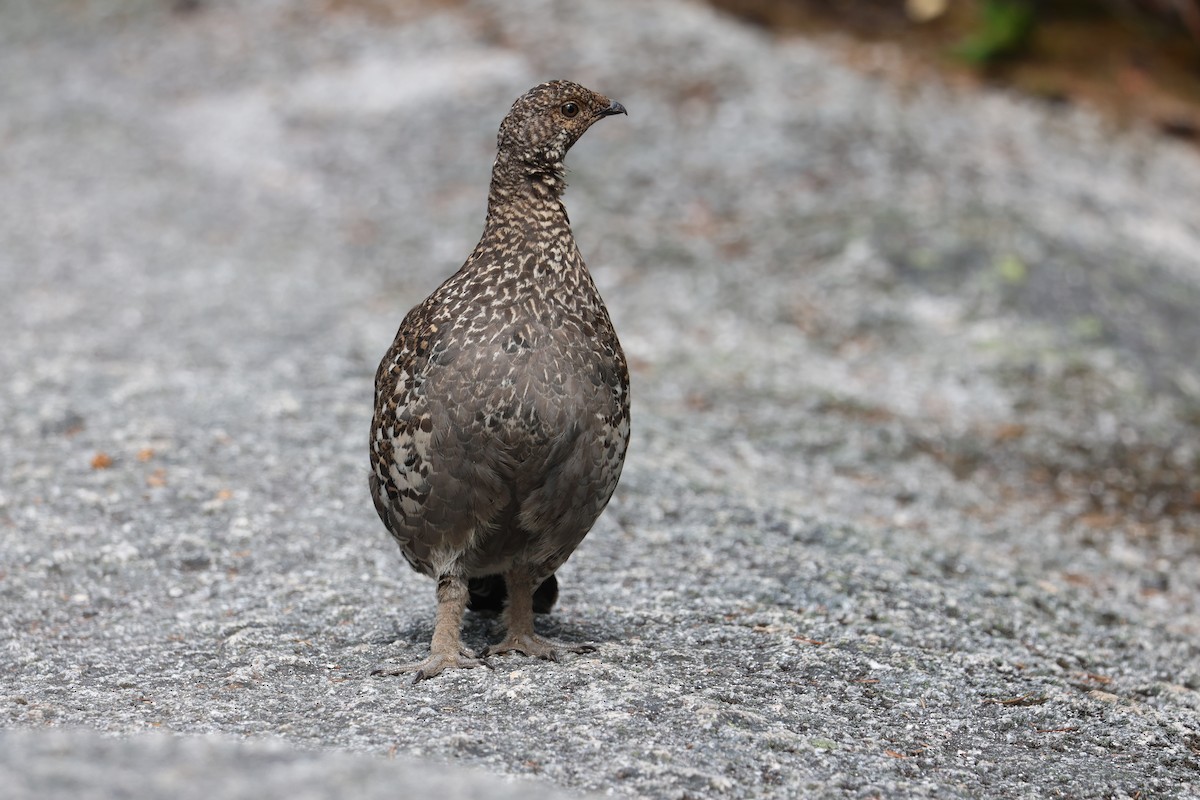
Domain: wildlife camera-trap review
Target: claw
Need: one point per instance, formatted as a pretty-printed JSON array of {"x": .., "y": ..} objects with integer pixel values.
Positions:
[
  {"x": 434, "y": 665},
  {"x": 536, "y": 647}
]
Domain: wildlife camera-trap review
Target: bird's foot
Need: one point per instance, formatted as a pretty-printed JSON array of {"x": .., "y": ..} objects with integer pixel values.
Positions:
[
  {"x": 530, "y": 644},
  {"x": 435, "y": 664}
]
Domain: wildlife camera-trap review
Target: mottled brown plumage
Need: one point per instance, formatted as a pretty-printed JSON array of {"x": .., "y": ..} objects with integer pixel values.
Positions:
[{"x": 502, "y": 408}]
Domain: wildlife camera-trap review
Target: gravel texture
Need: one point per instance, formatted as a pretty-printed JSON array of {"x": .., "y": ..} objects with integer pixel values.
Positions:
[{"x": 912, "y": 503}]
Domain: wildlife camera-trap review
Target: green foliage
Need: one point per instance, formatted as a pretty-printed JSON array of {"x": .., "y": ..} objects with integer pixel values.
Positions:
[
  {"x": 1004, "y": 29},
  {"x": 1012, "y": 270}
]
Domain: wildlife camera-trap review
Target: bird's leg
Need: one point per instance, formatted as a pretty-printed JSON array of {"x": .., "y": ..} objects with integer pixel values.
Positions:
[
  {"x": 446, "y": 650},
  {"x": 518, "y": 618}
]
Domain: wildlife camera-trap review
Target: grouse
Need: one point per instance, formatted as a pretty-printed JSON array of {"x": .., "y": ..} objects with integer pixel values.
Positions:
[{"x": 502, "y": 407}]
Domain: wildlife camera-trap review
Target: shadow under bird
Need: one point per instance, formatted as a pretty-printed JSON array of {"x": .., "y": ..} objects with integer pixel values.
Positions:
[{"x": 502, "y": 408}]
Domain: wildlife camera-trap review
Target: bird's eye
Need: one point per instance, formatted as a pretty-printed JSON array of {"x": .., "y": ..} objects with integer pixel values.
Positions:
[{"x": 569, "y": 109}]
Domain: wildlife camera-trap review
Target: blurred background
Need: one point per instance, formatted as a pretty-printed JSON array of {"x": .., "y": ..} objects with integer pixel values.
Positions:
[{"x": 1134, "y": 59}]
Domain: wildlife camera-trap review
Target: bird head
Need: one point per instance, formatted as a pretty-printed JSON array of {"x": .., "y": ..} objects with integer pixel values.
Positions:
[{"x": 545, "y": 121}]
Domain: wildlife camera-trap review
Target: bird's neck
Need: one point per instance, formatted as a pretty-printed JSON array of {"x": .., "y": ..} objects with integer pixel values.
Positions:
[{"x": 527, "y": 197}]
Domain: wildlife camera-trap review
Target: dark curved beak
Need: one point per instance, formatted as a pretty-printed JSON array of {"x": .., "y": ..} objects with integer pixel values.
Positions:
[{"x": 614, "y": 108}]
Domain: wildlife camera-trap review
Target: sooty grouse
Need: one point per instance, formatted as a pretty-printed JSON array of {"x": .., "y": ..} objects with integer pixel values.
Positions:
[{"x": 502, "y": 408}]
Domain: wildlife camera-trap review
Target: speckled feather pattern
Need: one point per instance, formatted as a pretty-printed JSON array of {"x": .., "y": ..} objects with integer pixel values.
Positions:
[{"x": 502, "y": 408}]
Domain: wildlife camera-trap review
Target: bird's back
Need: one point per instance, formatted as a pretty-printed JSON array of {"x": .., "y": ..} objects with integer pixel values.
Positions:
[{"x": 502, "y": 409}]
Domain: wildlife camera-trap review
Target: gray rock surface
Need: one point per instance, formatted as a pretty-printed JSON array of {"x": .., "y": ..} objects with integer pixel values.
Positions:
[
  {"x": 912, "y": 503},
  {"x": 85, "y": 765}
]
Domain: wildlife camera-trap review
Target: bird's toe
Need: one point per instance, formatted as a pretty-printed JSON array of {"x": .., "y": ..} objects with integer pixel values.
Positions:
[
  {"x": 535, "y": 647},
  {"x": 434, "y": 665}
]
